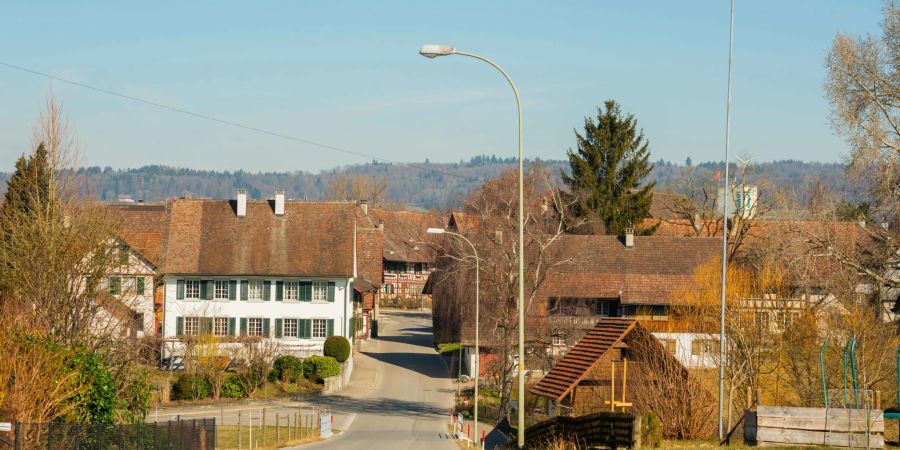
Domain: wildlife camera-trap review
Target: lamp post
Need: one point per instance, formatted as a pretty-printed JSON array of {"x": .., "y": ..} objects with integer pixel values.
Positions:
[
  {"x": 725, "y": 234},
  {"x": 477, "y": 301},
  {"x": 432, "y": 51}
]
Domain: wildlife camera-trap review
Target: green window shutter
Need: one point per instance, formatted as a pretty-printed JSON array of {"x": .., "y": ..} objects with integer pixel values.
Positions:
[
  {"x": 350, "y": 325},
  {"x": 231, "y": 326},
  {"x": 266, "y": 328},
  {"x": 204, "y": 289},
  {"x": 331, "y": 291},
  {"x": 139, "y": 281},
  {"x": 179, "y": 291},
  {"x": 232, "y": 289},
  {"x": 179, "y": 326},
  {"x": 244, "y": 290},
  {"x": 243, "y": 326},
  {"x": 329, "y": 328},
  {"x": 279, "y": 291},
  {"x": 206, "y": 325},
  {"x": 306, "y": 291},
  {"x": 267, "y": 290},
  {"x": 305, "y": 326},
  {"x": 115, "y": 285},
  {"x": 278, "y": 325}
]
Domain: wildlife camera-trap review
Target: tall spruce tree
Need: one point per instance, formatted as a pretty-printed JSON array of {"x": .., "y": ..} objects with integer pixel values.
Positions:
[
  {"x": 28, "y": 189},
  {"x": 608, "y": 169}
]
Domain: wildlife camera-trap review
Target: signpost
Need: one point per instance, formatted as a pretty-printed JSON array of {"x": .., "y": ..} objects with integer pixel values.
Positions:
[{"x": 324, "y": 425}]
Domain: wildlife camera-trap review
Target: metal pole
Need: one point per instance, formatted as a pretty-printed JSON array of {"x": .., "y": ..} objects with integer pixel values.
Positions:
[
  {"x": 822, "y": 368},
  {"x": 477, "y": 309},
  {"x": 521, "y": 304},
  {"x": 725, "y": 233}
]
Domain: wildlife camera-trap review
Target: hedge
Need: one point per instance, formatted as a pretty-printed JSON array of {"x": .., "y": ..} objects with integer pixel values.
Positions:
[
  {"x": 320, "y": 367},
  {"x": 338, "y": 347}
]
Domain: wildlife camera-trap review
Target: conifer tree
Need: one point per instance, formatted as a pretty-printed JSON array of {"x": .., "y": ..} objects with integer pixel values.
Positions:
[
  {"x": 28, "y": 189},
  {"x": 608, "y": 169}
]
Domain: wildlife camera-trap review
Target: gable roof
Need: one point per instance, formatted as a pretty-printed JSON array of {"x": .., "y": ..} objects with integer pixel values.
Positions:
[
  {"x": 142, "y": 228},
  {"x": 576, "y": 364},
  {"x": 404, "y": 235},
  {"x": 311, "y": 239}
]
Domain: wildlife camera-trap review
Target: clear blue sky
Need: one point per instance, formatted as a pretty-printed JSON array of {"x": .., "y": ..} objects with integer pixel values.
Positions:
[{"x": 349, "y": 75}]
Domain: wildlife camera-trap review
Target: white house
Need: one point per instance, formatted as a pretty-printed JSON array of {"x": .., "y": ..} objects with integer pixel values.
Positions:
[{"x": 277, "y": 269}]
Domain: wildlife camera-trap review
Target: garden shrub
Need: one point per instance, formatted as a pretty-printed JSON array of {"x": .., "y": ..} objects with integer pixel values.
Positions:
[
  {"x": 320, "y": 367},
  {"x": 135, "y": 391},
  {"x": 232, "y": 387},
  {"x": 448, "y": 348},
  {"x": 287, "y": 368},
  {"x": 191, "y": 387},
  {"x": 651, "y": 430},
  {"x": 96, "y": 403},
  {"x": 337, "y": 347}
]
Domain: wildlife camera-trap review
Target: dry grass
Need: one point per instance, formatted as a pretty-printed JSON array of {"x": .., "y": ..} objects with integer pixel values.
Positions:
[{"x": 227, "y": 437}]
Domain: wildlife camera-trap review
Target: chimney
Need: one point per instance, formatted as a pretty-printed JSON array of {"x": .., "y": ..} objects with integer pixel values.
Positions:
[
  {"x": 279, "y": 202},
  {"x": 629, "y": 238},
  {"x": 381, "y": 225},
  {"x": 242, "y": 203},
  {"x": 364, "y": 206}
]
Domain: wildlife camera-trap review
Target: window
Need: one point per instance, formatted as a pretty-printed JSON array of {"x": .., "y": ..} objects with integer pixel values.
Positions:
[
  {"x": 191, "y": 326},
  {"x": 256, "y": 290},
  {"x": 418, "y": 268},
  {"x": 290, "y": 328},
  {"x": 115, "y": 285},
  {"x": 192, "y": 289},
  {"x": 319, "y": 291},
  {"x": 221, "y": 290},
  {"x": 603, "y": 307},
  {"x": 669, "y": 344},
  {"x": 139, "y": 283},
  {"x": 559, "y": 341},
  {"x": 292, "y": 290},
  {"x": 704, "y": 347},
  {"x": 254, "y": 327},
  {"x": 319, "y": 328},
  {"x": 220, "y": 326},
  {"x": 123, "y": 254}
]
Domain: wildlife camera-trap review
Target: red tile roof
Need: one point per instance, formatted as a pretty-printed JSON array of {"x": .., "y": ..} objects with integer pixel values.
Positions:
[
  {"x": 404, "y": 235},
  {"x": 577, "y": 363},
  {"x": 312, "y": 239},
  {"x": 142, "y": 228}
]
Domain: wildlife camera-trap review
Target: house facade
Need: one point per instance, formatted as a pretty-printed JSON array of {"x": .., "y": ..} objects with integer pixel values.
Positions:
[
  {"x": 278, "y": 269},
  {"x": 408, "y": 256}
]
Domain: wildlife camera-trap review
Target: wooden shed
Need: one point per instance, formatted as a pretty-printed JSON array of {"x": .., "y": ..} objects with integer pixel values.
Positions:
[{"x": 601, "y": 370}]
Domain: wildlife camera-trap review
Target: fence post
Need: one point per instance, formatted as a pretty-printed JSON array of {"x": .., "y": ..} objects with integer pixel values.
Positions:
[
  {"x": 636, "y": 432},
  {"x": 18, "y": 436},
  {"x": 239, "y": 430},
  {"x": 277, "y": 428},
  {"x": 263, "y": 423}
]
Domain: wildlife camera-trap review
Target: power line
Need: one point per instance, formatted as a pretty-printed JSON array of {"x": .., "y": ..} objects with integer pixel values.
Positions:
[{"x": 228, "y": 122}]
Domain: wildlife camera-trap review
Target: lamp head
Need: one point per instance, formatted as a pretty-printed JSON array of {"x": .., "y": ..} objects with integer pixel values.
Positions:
[
  {"x": 435, "y": 50},
  {"x": 435, "y": 231}
]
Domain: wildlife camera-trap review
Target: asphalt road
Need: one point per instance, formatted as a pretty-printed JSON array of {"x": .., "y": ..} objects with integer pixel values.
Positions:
[{"x": 400, "y": 393}]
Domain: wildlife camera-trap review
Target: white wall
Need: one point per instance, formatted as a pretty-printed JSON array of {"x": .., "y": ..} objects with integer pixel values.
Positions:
[
  {"x": 683, "y": 343},
  {"x": 339, "y": 310}
]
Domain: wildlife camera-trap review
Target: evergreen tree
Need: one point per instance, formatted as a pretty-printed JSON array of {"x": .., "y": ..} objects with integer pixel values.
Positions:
[
  {"x": 28, "y": 189},
  {"x": 607, "y": 171}
]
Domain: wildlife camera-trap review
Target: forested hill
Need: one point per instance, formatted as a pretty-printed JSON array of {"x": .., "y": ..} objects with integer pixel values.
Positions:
[{"x": 427, "y": 185}]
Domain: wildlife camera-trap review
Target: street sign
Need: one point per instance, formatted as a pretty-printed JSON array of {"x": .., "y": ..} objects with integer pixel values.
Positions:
[
  {"x": 324, "y": 425},
  {"x": 5, "y": 426}
]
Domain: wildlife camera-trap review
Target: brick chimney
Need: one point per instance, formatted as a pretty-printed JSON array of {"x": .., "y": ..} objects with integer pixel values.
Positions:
[
  {"x": 364, "y": 206},
  {"x": 241, "y": 203},
  {"x": 629, "y": 238},
  {"x": 279, "y": 202}
]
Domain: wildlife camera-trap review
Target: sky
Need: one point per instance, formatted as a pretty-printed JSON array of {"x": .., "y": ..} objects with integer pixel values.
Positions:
[{"x": 348, "y": 75}]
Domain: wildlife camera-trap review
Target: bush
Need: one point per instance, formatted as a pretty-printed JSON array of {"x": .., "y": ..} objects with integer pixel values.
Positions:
[
  {"x": 320, "y": 367},
  {"x": 97, "y": 403},
  {"x": 287, "y": 368},
  {"x": 337, "y": 347},
  {"x": 190, "y": 387},
  {"x": 651, "y": 430},
  {"x": 232, "y": 387},
  {"x": 135, "y": 390}
]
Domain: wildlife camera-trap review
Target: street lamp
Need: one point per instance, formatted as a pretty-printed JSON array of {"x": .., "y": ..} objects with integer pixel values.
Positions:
[
  {"x": 477, "y": 301},
  {"x": 432, "y": 51}
]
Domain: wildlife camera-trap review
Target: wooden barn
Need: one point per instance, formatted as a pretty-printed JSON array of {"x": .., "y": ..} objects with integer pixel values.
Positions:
[{"x": 617, "y": 363}]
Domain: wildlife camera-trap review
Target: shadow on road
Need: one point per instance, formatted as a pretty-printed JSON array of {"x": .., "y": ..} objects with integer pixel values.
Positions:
[
  {"x": 382, "y": 406},
  {"x": 422, "y": 363},
  {"x": 420, "y": 340}
]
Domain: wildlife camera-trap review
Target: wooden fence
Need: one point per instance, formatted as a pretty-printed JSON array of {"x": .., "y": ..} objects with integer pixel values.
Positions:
[
  {"x": 603, "y": 429},
  {"x": 835, "y": 427}
]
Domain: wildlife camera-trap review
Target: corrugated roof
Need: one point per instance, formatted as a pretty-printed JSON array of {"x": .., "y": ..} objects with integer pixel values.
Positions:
[{"x": 573, "y": 367}]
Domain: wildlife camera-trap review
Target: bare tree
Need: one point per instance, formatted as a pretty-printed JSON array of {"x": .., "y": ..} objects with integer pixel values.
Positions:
[
  {"x": 353, "y": 187},
  {"x": 864, "y": 89},
  {"x": 493, "y": 228}
]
